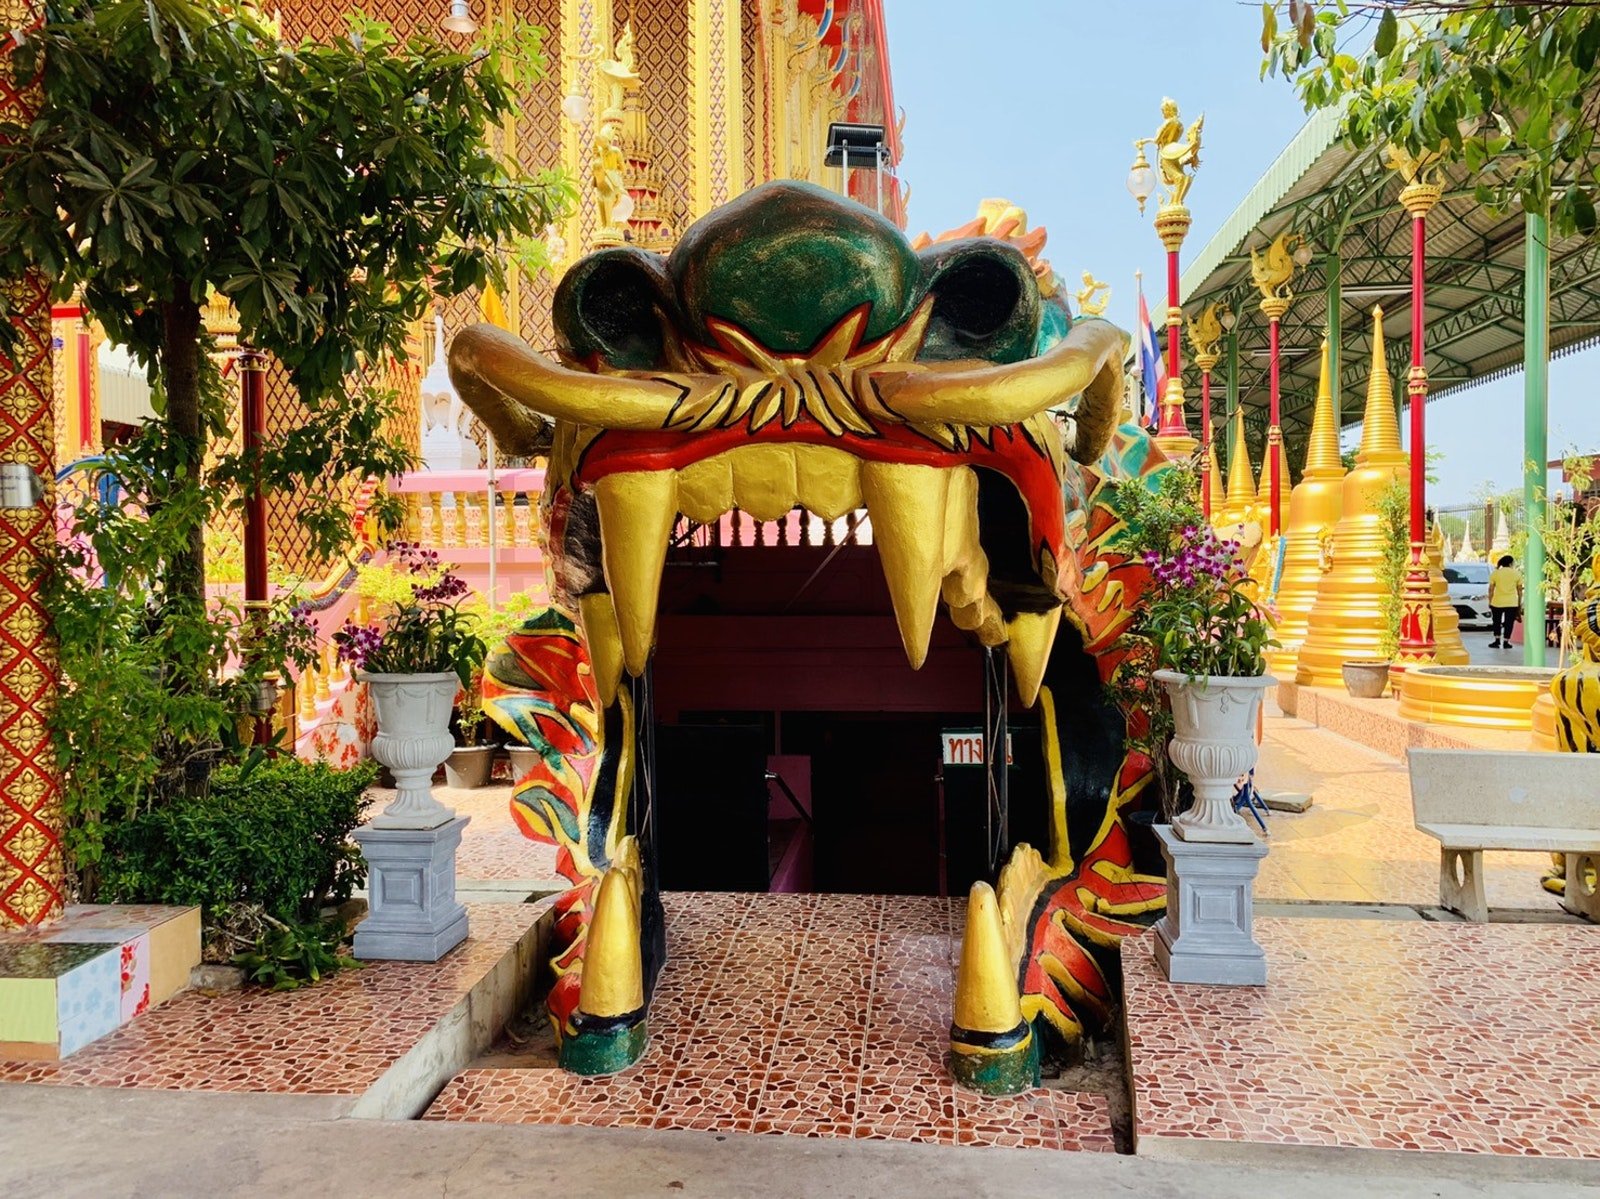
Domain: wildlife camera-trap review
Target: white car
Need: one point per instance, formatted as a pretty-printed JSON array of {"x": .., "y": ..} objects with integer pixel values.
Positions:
[{"x": 1469, "y": 591}]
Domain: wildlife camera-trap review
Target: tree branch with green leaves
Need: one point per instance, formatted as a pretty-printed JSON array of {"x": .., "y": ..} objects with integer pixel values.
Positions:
[{"x": 1510, "y": 90}]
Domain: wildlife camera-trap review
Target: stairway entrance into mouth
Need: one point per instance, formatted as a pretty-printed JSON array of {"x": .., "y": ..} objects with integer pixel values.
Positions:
[{"x": 795, "y": 748}]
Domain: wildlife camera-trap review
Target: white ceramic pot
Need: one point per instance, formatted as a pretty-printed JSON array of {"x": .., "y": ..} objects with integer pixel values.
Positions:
[
  {"x": 1214, "y": 745},
  {"x": 413, "y": 739}
]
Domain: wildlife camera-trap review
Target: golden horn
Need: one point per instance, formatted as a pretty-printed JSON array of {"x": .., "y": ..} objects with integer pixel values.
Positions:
[
  {"x": 511, "y": 386},
  {"x": 1088, "y": 361}
]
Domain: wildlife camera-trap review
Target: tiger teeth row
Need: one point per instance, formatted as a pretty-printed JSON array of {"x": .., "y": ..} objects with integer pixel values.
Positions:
[{"x": 924, "y": 524}]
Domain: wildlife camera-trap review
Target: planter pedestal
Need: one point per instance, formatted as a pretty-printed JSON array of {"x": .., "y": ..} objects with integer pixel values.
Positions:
[
  {"x": 1205, "y": 937},
  {"x": 412, "y": 913}
]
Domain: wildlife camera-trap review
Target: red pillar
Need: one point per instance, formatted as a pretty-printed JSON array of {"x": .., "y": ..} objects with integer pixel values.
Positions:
[
  {"x": 1274, "y": 307},
  {"x": 253, "y": 429},
  {"x": 1275, "y": 437},
  {"x": 1205, "y": 439},
  {"x": 1417, "y": 644},
  {"x": 1172, "y": 430}
]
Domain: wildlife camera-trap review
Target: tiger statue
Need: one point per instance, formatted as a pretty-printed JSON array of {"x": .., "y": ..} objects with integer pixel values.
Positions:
[{"x": 1576, "y": 691}]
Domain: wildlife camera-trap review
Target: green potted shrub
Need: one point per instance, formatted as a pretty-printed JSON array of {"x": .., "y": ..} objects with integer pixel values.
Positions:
[
  {"x": 472, "y": 760},
  {"x": 1366, "y": 678}
]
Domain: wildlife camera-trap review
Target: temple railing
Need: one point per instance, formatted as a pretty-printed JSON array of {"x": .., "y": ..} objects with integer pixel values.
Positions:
[{"x": 450, "y": 509}]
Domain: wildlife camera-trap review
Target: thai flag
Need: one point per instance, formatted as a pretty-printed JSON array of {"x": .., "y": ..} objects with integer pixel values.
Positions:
[{"x": 1152, "y": 370}]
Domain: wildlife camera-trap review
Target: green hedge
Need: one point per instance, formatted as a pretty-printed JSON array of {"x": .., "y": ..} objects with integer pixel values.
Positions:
[{"x": 277, "y": 836}]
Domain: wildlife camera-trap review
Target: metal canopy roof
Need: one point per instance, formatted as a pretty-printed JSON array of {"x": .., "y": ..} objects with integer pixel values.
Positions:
[{"x": 1345, "y": 201}]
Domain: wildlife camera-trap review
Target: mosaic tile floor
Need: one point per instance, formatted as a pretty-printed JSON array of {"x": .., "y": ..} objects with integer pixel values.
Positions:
[
  {"x": 336, "y": 1038},
  {"x": 830, "y": 1018},
  {"x": 1358, "y": 843},
  {"x": 1378, "y": 1034}
]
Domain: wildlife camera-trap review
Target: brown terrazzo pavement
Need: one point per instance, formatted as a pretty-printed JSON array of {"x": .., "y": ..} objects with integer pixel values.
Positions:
[
  {"x": 336, "y": 1038},
  {"x": 808, "y": 1015},
  {"x": 1469, "y": 1038}
]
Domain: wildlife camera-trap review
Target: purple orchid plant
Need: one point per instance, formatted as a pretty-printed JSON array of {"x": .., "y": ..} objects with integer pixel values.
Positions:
[{"x": 426, "y": 634}]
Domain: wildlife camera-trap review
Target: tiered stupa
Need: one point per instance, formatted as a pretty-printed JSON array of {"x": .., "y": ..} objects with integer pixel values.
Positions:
[
  {"x": 1314, "y": 509},
  {"x": 1347, "y": 621},
  {"x": 1213, "y": 481},
  {"x": 1240, "y": 505}
]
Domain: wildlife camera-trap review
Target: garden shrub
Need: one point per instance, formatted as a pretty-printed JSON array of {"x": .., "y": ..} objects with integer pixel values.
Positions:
[{"x": 275, "y": 838}]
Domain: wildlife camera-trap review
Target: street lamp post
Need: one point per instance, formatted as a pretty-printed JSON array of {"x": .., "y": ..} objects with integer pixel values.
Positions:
[
  {"x": 1177, "y": 153},
  {"x": 1422, "y": 191},
  {"x": 1271, "y": 275},
  {"x": 1205, "y": 334}
]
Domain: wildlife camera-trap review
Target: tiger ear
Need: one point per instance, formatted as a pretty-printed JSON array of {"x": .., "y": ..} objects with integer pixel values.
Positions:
[
  {"x": 616, "y": 306},
  {"x": 986, "y": 301}
]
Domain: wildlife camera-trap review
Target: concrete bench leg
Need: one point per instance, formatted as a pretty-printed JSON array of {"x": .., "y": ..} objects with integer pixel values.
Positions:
[
  {"x": 1466, "y": 894},
  {"x": 1582, "y": 896}
]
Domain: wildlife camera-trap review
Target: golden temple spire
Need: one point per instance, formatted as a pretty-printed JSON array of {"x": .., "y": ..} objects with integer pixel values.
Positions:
[
  {"x": 1241, "y": 488},
  {"x": 1213, "y": 479},
  {"x": 1380, "y": 429},
  {"x": 1322, "y": 450}
]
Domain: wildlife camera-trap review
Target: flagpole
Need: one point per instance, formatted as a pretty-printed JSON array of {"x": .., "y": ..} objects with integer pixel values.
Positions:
[{"x": 1138, "y": 323}]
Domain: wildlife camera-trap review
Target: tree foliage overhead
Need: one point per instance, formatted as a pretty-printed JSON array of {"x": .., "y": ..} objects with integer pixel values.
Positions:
[
  {"x": 1512, "y": 90},
  {"x": 328, "y": 189}
]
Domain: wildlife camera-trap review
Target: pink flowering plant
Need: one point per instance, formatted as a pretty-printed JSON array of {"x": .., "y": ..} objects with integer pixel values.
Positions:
[
  {"x": 424, "y": 633},
  {"x": 1195, "y": 616},
  {"x": 1199, "y": 616}
]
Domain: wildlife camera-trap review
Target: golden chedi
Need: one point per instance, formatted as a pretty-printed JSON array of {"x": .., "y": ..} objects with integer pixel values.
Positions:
[
  {"x": 1213, "y": 482},
  {"x": 1449, "y": 650},
  {"x": 1347, "y": 621},
  {"x": 1314, "y": 509},
  {"x": 1240, "y": 503}
]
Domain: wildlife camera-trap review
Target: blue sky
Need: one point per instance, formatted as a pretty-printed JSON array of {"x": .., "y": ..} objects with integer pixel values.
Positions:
[{"x": 1038, "y": 101}]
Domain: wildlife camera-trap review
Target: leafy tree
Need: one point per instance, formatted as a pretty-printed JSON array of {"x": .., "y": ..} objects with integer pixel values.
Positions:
[
  {"x": 1510, "y": 89},
  {"x": 329, "y": 190},
  {"x": 1571, "y": 539}
]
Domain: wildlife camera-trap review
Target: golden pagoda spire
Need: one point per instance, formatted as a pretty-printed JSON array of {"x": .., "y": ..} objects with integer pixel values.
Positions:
[
  {"x": 1314, "y": 508},
  {"x": 1322, "y": 450},
  {"x": 1241, "y": 487},
  {"x": 1347, "y": 619},
  {"x": 1213, "y": 480},
  {"x": 1380, "y": 429}
]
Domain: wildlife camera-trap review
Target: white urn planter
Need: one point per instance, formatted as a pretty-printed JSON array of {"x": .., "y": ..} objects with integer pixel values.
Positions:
[
  {"x": 413, "y": 740},
  {"x": 1214, "y": 744},
  {"x": 410, "y": 847},
  {"x": 1212, "y": 855}
]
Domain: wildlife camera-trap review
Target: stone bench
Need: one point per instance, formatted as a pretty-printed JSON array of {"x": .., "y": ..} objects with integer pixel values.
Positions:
[{"x": 1471, "y": 800}]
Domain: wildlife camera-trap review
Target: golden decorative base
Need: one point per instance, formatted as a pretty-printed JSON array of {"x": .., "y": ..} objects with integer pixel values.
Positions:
[
  {"x": 1172, "y": 225},
  {"x": 1485, "y": 697},
  {"x": 1542, "y": 733}
]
